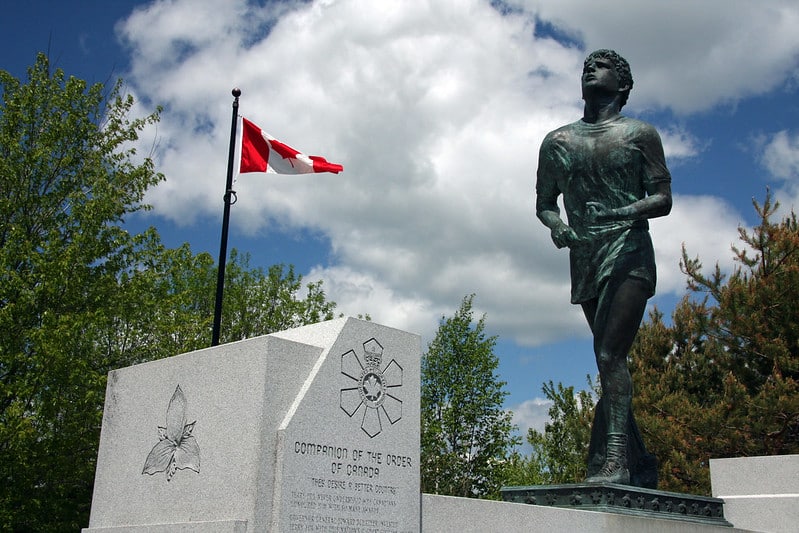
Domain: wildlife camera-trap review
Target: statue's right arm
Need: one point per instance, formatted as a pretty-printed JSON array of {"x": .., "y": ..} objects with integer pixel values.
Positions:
[
  {"x": 548, "y": 212},
  {"x": 546, "y": 203},
  {"x": 562, "y": 235}
]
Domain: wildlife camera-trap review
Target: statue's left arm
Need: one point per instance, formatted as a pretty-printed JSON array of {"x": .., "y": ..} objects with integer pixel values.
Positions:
[{"x": 657, "y": 203}]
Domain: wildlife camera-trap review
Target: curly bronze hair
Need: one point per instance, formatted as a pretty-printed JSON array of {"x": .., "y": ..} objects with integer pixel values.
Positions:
[{"x": 620, "y": 65}]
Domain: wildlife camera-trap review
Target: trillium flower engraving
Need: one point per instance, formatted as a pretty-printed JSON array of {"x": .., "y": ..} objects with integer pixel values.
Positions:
[{"x": 177, "y": 448}]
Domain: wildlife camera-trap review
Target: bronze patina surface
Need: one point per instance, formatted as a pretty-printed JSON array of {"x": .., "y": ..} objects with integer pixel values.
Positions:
[{"x": 612, "y": 175}]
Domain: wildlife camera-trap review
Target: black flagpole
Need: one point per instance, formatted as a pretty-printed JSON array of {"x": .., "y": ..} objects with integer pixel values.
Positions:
[{"x": 230, "y": 199}]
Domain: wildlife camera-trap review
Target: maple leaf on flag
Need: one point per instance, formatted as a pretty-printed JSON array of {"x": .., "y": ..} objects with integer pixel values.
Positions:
[{"x": 285, "y": 151}]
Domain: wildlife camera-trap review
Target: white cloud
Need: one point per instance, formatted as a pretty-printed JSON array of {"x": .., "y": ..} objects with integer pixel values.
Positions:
[
  {"x": 532, "y": 413},
  {"x": 679, "y": 144},
  {"x": 781, "y": 156},
  {"x": 436, "y": 110},
  {"x": 707, "y": 226},
  {"x": 357, "y": 291},
  {"x": 684, "y": 54}
]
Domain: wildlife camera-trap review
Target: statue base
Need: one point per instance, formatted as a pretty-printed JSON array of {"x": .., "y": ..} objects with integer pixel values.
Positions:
[{"x": 622, "y": 499}]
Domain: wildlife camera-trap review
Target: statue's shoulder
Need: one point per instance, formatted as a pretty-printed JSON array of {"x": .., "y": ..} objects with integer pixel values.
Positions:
[
  {"x": 638, "y": 127},
  {"x": 562, "y": 134}
]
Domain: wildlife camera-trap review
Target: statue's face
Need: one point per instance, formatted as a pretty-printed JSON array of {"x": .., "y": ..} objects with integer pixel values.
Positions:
[{"x": 600, "y": 75}]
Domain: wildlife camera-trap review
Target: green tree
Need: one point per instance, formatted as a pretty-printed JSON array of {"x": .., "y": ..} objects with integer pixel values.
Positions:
[
  {"x": 562, "y": 448},
  {"x": 80, "y": 296},
  {"x": 560, "y": 452},
  {"x": 723, "y": 379},
  {"x": 258, "y": 302},
  {"x": 170, "y": 305},
  {"x": 467, "y": 437},
  {"x": 69, "y": 178}
]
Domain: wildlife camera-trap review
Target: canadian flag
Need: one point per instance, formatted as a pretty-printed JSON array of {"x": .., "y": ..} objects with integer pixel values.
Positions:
[{"x": 260, "y": 152}]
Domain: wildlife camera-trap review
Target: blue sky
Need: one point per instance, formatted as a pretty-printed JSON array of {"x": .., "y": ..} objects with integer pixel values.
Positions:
[{"x": 436, "y": 110}]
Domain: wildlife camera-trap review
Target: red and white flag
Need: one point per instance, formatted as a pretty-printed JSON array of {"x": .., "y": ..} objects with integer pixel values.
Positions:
[{"x": 260, "y": 152}]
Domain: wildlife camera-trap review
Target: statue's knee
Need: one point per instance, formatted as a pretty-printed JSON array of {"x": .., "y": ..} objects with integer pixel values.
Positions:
[{"x": 605, "y": 361}]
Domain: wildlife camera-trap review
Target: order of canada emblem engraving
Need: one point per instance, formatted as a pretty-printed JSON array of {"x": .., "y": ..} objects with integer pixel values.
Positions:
[{"x": 373, "y": 391}]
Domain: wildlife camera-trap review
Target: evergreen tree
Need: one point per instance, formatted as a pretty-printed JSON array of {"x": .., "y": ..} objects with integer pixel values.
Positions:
[
  {"x": 723, "y": 379},
  {"x": 467, "y": 437}
]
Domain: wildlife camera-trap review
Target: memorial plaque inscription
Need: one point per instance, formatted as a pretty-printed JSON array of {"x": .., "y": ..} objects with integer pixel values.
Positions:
[{"x": 354, "y": 468}]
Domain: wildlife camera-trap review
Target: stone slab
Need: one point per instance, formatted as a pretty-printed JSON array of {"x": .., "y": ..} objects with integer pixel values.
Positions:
[
  {"x": 760, "y": 493},
  {"x": 772, "y": 474},
  {"x": 622, "y": 499},
  {"x": 227, "y": 526},
  {"x": 772, "y": 515},
  {"x": 307, "y": 429}
]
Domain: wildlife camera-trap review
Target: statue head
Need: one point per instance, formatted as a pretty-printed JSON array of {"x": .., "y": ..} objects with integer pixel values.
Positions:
[{"x": 620, "y": 65}]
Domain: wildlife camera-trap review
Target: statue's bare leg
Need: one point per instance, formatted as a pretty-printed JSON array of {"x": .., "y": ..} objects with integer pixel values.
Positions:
[{"x": 614, "y": 319}]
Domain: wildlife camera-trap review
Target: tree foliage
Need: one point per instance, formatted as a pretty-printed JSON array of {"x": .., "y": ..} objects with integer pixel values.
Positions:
[
  {"x": 80, "y": 296},
  {"x": 171, "y": 303},
  {"x": 68, "y": 179},
  {"x": 723, "y": 379},
  {"x": 259, "y": 302},
  {"x": 560, "y": 452},
  {"x": 467, "y": 437}
]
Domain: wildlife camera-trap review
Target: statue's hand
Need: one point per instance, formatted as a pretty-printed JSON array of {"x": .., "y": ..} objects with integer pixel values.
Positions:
[
  {"x": 597, "y": 212},
  {"x": 564, "y": 236}
]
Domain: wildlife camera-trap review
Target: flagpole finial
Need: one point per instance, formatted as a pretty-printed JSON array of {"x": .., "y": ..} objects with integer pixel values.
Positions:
[{"x": 236, "y": 92}]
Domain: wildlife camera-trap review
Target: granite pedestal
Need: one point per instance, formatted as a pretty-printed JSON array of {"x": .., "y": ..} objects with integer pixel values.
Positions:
[
  {"x": 622, "y": 499},
  {"x": 448, "y": 514},
  {"x": 310, "y": 429}
]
